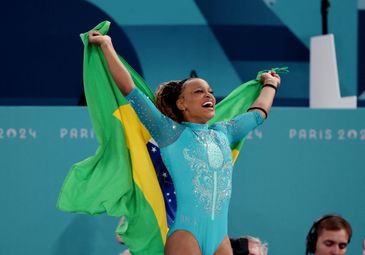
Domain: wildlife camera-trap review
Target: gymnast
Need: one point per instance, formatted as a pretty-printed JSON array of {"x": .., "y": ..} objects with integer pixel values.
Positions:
[{"x": 197, "y": 155}]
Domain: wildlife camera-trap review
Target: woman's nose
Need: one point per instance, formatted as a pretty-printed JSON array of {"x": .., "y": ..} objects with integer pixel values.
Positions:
[{"x": 208, "y": 94}]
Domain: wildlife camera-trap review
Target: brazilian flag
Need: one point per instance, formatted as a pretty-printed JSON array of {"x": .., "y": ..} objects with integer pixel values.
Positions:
[{"x": 126, "y": 176}]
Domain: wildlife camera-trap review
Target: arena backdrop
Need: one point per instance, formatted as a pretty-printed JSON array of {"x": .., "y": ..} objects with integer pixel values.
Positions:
[{"x": 299, "y": 165}]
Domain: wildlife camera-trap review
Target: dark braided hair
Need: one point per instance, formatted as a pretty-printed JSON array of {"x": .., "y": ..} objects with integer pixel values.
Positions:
[{"x": 166, "y": 96}]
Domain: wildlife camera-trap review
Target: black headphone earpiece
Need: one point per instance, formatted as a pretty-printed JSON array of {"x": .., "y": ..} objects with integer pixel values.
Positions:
[
  {"x": 311, "y": 240},
  {"x": 239, "y": 246},
  {"x": 312, "y": 235}
]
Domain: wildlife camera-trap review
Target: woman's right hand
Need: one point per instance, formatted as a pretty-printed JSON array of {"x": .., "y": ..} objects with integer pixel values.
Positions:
[
  {"x": 119, "y": 72},
  {"x": 96, "y": 38}
]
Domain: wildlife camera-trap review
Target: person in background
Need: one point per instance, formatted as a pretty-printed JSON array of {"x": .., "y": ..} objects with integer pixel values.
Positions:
[
  {"x": 119, "y": 238},
  {"x": 329, "y": 235},
  {"x": 248, "y": 245}
]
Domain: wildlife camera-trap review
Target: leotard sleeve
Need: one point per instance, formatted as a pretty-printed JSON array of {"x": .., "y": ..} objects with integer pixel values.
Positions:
[
  {"x": 237, "y": 128},
  {"x": 163, "y": 129}
]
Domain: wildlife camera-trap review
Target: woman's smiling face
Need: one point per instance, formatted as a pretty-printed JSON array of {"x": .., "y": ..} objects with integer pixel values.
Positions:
[{"x": 196, "y": 101}]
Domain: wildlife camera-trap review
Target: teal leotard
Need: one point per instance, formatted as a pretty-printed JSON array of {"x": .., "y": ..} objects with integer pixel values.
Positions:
[{"x": 199, "y": 160}]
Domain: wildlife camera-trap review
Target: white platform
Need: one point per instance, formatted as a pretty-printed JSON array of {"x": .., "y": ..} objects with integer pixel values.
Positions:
[{"x": 324, "y": 87}]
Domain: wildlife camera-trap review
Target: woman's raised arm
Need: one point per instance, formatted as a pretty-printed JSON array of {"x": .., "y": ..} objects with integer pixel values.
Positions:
[
  {"x": 263, "y": 103},
  {"x": 118, "y": 71}
]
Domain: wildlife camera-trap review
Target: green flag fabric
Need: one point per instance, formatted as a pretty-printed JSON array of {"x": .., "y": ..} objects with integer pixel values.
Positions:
[{"x": 116, "y": 180}]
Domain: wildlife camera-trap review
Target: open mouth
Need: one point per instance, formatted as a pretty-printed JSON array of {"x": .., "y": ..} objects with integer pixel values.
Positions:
[{"x": 208, "y": 104}]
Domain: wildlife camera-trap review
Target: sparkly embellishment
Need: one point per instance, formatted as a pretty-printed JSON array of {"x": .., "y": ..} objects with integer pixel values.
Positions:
[
  {"x": 212, "y": 181},
  {"x": 215, "y": 155}
]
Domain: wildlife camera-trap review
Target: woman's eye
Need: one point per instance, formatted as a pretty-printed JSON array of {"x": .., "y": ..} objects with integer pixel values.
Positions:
[
  {"x": 211, "y": 92},
  {"x": 198, "y": 91}
]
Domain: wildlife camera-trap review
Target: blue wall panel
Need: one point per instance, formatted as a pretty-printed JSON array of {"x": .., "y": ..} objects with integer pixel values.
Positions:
[{"x": 43, "y": 63}]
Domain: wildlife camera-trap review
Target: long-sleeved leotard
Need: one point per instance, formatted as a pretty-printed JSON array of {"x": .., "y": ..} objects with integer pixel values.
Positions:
[{"x": 199, "y": 160}]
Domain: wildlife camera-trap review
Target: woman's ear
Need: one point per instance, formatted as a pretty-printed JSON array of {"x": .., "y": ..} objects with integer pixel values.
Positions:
[{"x": 180, "y": 104}]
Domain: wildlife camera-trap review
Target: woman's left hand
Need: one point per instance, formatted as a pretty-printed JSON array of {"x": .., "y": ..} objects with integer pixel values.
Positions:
[{"x": 271, "y": 78}]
